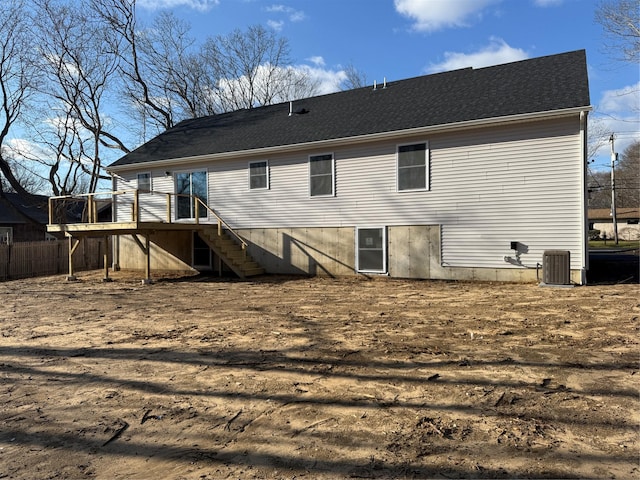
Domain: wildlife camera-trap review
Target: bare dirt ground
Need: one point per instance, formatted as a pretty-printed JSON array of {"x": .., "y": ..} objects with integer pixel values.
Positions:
[{"x": 317, "y": 378}]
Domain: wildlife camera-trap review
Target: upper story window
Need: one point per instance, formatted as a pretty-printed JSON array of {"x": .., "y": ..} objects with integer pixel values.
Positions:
[
  {"x": 413, "y": 167},
  {"x": 258, "y": 175},
  {"x": 144, "y": 182},
  {"x": 321, "y": 175}
]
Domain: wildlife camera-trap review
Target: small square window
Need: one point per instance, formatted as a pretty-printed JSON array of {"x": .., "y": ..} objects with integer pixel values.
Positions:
[
  {"x": 321, "y": 175},
  {"x": 144, "y": 182},
  {"x": 258, "y": 175},
  {"x": 413, "y": 167}
]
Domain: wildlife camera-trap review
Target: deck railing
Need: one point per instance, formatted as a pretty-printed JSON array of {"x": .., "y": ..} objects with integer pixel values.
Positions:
[{"x": 86, "y": 208}]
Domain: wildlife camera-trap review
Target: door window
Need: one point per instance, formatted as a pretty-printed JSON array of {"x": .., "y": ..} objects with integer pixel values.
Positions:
[{"x": 188, "y": 185}]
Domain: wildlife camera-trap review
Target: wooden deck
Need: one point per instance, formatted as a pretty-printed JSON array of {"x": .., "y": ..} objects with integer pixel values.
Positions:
[
  {"x": 221, "y": 238},
  {"x": 122, "y": 228}
]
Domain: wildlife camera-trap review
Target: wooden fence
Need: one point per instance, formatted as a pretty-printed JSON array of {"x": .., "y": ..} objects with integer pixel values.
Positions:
[{"x": 33, "y": 259}]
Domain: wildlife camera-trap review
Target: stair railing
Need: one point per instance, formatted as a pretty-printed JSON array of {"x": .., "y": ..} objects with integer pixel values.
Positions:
[{"x": 221, "y": 222}]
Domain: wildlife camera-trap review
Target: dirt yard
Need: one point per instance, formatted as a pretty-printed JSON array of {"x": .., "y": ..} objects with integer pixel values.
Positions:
[{"x": 317, "y": 378}]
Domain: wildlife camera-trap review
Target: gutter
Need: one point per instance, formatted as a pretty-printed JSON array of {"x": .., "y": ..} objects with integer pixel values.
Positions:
[{"x": 372, "y": 137}]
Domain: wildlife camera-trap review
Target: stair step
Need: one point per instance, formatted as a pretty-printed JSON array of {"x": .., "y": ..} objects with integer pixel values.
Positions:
[
  {"x": 254, "y": 271},
  {"x": 235, "y": 254},
  {"x": 232, "y": 253},
  {"x": 248, "y": 265}
]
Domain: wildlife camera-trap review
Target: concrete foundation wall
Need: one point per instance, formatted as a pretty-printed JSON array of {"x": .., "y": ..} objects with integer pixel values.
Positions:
[
  {"x": 308, "y": 251},
  {"x": 412, "y": 252}
]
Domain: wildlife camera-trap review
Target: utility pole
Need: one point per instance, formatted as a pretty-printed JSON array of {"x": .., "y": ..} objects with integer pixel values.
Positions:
[{"x": 614, "y": 157}]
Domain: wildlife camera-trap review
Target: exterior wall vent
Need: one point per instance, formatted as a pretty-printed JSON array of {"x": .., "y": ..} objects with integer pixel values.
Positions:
[{"x": 556, "y": 267}]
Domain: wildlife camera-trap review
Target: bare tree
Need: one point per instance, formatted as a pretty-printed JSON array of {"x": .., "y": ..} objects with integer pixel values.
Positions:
[
  {"x": 132, "y": 42},
  {"x": 29, "y": 178},
  {"x": 17, "y": 79},
  {"x": 355, "y": 78},
  {"x": 163, "y": 73},
  {"x": 79, "y": 67},
  {"x": 175, "y": 70},
  {"x": 620, "y": 20},
  {"x": 253, "y": 68},
  {"x": 628, "y": 176}
]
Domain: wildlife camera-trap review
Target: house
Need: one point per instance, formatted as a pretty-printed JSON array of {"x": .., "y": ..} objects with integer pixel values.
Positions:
[
  {"x": 23, "y": 219},
  {"x": 443, "y": 176},
  {"x": 600, "y": 220}
]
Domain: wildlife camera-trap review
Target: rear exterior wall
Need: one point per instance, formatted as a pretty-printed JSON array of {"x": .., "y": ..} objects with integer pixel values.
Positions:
[{"x": 488, "y": 187}]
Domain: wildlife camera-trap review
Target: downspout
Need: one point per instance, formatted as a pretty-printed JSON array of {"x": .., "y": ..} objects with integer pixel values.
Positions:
[{"x": 585, "y": 202}]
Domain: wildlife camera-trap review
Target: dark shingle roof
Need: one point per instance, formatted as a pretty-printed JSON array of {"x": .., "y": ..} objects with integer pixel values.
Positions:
[
  {"x": 16, "y": 209},
  {"x": 541, "y": 84}
]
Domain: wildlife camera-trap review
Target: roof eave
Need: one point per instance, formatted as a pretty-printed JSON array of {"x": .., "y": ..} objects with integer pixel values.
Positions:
[{"x": 337, "y": 142}]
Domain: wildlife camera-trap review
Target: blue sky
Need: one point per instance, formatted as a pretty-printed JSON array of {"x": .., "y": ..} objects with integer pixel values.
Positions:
[{"x": 396, "y": 39}]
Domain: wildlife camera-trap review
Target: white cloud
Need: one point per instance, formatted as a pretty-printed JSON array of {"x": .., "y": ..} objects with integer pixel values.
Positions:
[
  {"x": 317, "y": 60},
  {"x": 618, "y": 113},
  {"x": 621, "y": 100},
  {"x": 432, "y": 15},
  {"x": 292, "y": 14},
  {"x": 276, "y": 8},
  {"x": 497, "y": 52},
  {"x": 24, "y": 149},
  {"x": 324, "y": 80},
  {"x": 199, "y": 5},
  {"x": 328, "y": 81},
  {"x": 297, "y": 16},
  {"x": 276, "y": 25}
]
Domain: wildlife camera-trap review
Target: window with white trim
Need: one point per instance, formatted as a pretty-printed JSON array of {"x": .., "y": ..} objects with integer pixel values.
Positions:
[
  {"x": 413, "y": 167},
  {"x": 189, "y": 185},
  {"x": 321, "y": 175},
  {"x": 144, "y": 182},
  {"x": 258, "y": 175},
  {"x": 371, "y": 249}
]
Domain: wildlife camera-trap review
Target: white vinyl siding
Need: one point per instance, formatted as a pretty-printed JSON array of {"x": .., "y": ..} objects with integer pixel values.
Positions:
[
  {"x": 153, "y": 206},
  {"x": 487, "y": 187}
]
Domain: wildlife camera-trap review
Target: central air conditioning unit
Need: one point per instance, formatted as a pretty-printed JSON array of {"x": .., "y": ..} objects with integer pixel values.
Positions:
[{"x": 556, "y": 267}]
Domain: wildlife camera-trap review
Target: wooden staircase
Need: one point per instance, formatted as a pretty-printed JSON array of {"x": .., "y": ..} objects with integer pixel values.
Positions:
[{"x": 231, "y": 253}]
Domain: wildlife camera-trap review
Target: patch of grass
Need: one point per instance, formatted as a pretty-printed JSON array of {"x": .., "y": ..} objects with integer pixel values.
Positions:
[{"x": 610, "y": 243}]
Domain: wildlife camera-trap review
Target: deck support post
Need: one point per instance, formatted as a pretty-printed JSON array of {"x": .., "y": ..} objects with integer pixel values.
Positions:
[
  {"x": 73, "y": 244},
  {"x": 106, "y": 260},
  {"x": 146, "y": 249},
  {"x": 147, "y": 267}
]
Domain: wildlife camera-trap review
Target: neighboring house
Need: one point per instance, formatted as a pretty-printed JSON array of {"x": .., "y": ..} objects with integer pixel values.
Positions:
[
  {"x": 600, "y": 219},
  {"x": 23, "y": 219},
  {"x": 444, "y": 176}
]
